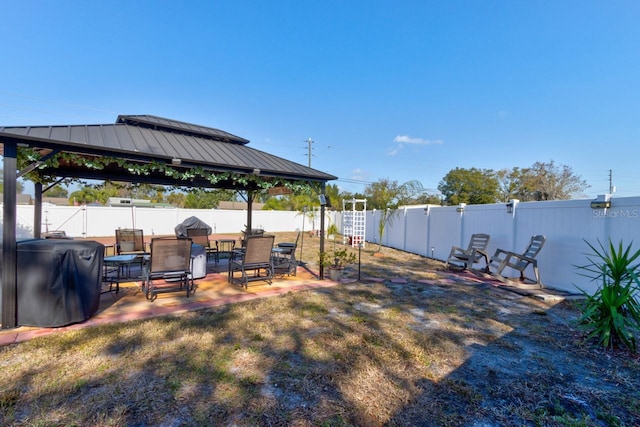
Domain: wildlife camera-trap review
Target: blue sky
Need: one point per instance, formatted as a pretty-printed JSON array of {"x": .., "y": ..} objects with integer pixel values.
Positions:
[{"x": 405, "y": 90}]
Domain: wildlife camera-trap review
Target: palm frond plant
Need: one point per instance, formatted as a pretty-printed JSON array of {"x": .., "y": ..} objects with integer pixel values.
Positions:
[{"x": 610, "y": 312}]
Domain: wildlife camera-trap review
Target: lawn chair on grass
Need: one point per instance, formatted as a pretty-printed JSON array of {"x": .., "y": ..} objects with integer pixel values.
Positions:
[
  {"x": 505, "y": 259},
  {"x": 255, "y": 259},
  {"x": 169, "y": 266},
  {"x": 465, "y": 258}
]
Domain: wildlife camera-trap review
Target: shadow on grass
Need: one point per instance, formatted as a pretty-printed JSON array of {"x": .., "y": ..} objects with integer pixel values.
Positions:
[{"x": 448, "y": 351}]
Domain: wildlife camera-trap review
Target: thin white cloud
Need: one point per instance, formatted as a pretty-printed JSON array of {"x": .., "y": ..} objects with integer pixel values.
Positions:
[
  {"x": 401, "y": 140},
  {"x": 359, "y": 174},
  {"x": 406, "y": 139}
]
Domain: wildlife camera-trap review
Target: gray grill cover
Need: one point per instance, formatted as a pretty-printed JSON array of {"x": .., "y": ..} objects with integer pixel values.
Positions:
[
  {"x": 191, "y": 222},
  {"x": 59, "y": 281}
]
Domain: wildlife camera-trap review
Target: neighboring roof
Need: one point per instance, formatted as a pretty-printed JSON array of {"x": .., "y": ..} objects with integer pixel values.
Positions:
[
  {"x": 238, "y": 206},
  {"x": 21, "y": 199},
  {"x": 58, "y": 201},
  {"x": 148, "y": 139}
]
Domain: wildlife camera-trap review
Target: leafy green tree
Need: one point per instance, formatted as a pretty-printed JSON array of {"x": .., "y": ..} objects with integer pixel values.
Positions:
[
  {"x": 86, "y": 195},
  {"x": 279, "y": 203},
  {"x": 547, "y": 181},
  {"x": 307, "y": 200},
  {"x": 155, "y": 193},
  {"x": 332, "y": 191},
  {"x": 512, "y": 184},
  {"x": 207, "y": 199},
  {"x": 19, "y": 183},
  {"x": 472, "y": 186},
  {"x": 541, "y": 181},
  {"x": 176, "y": 199},
  {"x": 386, "y": 196},
  {"x": 428, "y": 199},
  {"x": 57, "y": 191}
]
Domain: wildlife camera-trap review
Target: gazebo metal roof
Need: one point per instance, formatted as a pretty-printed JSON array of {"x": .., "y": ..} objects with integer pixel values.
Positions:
[
  {"x": 141, "y": 140},
  {"x": 147, "y": 139}
]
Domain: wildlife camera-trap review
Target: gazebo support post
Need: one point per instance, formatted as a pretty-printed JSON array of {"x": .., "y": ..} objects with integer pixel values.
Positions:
[
  {"x": 322, "y": 206},
  {"x": 9, "y": 248},
  {"x": 37, "y": 211},
  {"x": 249, "y": 211}
]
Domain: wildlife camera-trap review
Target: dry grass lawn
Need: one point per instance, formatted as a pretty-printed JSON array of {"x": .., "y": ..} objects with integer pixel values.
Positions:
[{"x": 436, "y": 350}]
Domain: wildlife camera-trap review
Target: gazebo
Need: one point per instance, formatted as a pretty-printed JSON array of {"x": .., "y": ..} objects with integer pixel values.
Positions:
[{"x": 137, "y": 149}]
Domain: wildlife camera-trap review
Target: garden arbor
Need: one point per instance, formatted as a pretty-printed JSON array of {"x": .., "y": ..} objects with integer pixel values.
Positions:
[{"x": 135, "y": 149}]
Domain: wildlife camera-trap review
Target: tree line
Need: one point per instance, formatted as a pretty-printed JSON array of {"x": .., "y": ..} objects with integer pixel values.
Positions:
[{"x": 541, "y": 181}]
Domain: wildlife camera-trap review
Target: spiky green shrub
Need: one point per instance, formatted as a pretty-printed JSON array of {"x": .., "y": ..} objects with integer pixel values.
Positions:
[{"x": 610, "y": 312}]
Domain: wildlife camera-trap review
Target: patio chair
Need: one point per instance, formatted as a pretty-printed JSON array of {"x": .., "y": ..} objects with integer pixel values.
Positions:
[
  {"x": 255, "y": 259},
  {"x": 476, "y": 251},
  {"x": 169, "y": 267},
  {"x": 505, "y": 259},
  {"x": 130, "y": 241},
  {"x": 285, "y": 261},
  {"x": 200, "y": 236},
  {"x": 248, "y": 233}
]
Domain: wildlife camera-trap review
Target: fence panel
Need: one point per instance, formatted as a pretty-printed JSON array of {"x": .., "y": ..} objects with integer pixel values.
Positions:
[
  {"x": 445, "y": 230},
  {"x": 416, "y": 231},
  {"x": 566, "y": 225}
]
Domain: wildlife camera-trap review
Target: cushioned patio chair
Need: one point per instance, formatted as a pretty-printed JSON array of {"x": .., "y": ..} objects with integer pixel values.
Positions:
[
  {"x": 254, "y": 262},
  {"x": 476, "y": 251},
  {"x": 502, "y": 260}
]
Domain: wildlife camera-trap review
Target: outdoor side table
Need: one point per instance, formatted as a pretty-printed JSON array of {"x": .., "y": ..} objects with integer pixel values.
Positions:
[
  {"x": 281, "y": 260},
  {"x": 121, "y": 266},
  {"x": 226, "y": 246}
]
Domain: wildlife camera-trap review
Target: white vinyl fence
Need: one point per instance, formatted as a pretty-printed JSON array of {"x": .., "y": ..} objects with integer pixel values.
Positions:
[
  {"x": 566, "y": 224},
  {"x": 101, "y": 221},
  {"x": 431, "y": 232}
]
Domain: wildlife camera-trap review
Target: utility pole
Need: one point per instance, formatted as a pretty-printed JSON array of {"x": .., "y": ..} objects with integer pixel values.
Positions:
[
  {"x": 611, "y": 181},
  {"x": 309, "y": 148}
]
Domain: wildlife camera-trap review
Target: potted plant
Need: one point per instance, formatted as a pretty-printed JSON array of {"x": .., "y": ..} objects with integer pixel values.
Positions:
[
  {"x": 332, "y": 232},
  {"x": 336, "y": 260}
]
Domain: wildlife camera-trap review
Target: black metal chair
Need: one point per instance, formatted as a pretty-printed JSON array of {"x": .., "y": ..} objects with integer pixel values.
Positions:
[
  {"x": 199, "y": 236},
  {"x": 130, "y": 241},
  {"x": 169, "y": 267},
  {"x": 255, "y": 258},
  {"x": 285, "y": 261}
]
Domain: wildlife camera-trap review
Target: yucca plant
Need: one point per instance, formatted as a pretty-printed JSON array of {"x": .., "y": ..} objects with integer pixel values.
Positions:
[{"x": 610, "y": 312}]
